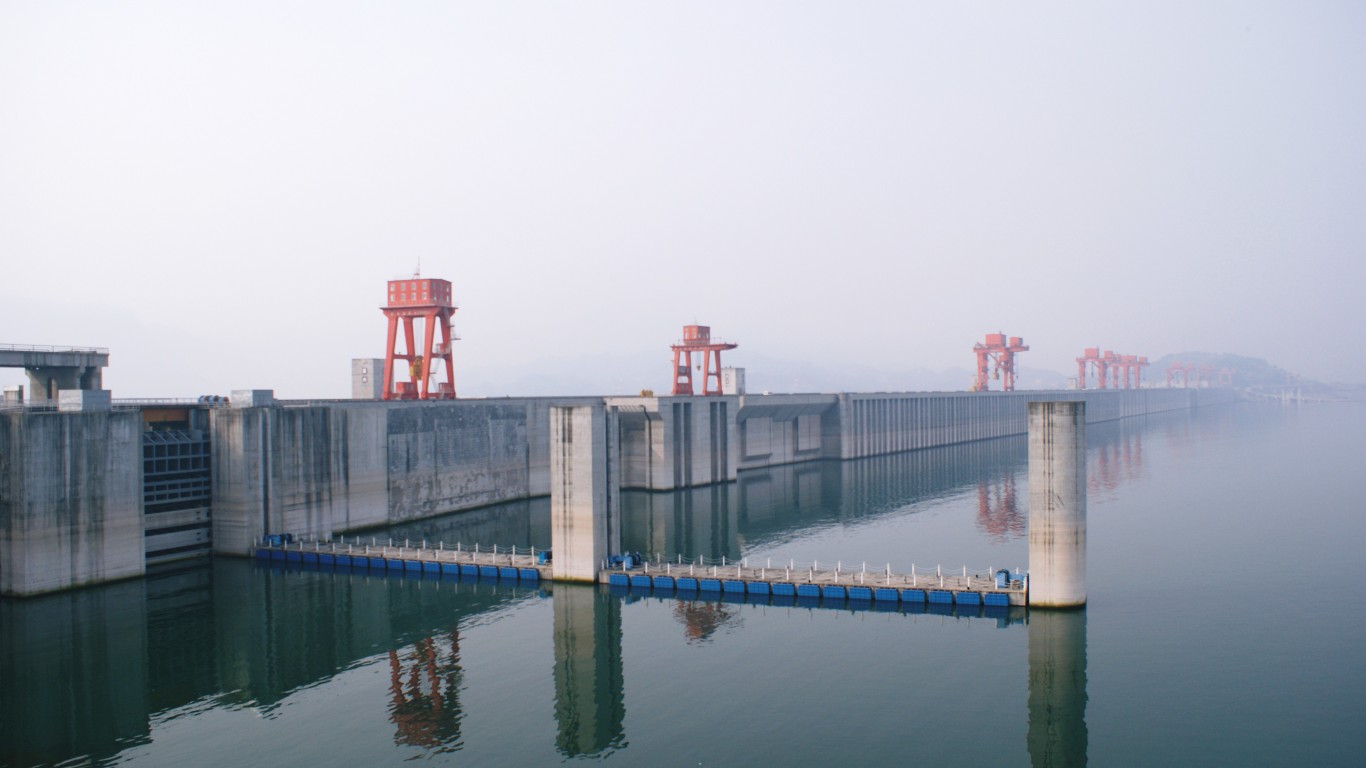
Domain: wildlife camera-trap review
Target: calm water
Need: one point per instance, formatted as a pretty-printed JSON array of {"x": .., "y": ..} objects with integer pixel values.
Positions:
[{"x": 1226, "y": 626}]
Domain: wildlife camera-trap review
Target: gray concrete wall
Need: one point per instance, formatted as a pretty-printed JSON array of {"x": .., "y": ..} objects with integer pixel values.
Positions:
[
  {"x": 70, "y": 499},
  {"x": 331, "y": 468},
  {"x": 319, "y": 470},
  {"x": 678, "y": 442}
]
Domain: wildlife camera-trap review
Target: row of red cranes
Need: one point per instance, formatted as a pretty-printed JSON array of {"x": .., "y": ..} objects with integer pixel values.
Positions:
[
  {"x": 426, "y": 304},
  {"x": 1205, "y": 375},
  {"x": 1113, "y": 370}
]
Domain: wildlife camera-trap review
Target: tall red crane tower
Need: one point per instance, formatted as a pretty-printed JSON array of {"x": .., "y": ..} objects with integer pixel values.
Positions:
[
  {"x": 697, "y": 338},
  {"x": 998, "y": 351},
  {"x": 428, "y": 302}
]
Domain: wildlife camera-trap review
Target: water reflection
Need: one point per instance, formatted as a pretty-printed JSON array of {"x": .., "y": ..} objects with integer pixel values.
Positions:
[
  {"x": 1057, "y": 689},
  {"x": 998, "y": 512},
  {"x": 84, "y": 673},
  {"x": 701, "y": 619},
  {"x": 524, "y": 524},
  {"x": 424, "y": 685},
  {"x": 589, "y": 688},
  {"x": 73, "y": 674}
]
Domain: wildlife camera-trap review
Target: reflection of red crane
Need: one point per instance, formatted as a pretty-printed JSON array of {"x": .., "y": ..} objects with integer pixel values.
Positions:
[
  {"x": 426, "y": 710},
  {"x": 701, "y": 620},
  {"x": 697, "y": 338},
  {"x": 1112, "y": 464},
  {"x": 997, "y": 511},
  {"x": 1000, "y": 351}
]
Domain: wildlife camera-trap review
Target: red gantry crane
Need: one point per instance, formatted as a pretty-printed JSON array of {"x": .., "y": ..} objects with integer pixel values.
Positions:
[
  {"x": 427, "y": 301},
  {"x": 697, "y": 338},
  {"x": 995, "y": 357},
  {"x": 1113, "y": 371}
]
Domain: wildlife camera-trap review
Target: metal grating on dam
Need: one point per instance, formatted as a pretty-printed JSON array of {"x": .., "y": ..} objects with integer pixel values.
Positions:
[{"x": 176, "y": 494}]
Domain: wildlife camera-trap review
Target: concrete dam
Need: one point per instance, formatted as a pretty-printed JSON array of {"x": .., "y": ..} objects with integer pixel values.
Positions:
[{"x": 87, "y": 497}]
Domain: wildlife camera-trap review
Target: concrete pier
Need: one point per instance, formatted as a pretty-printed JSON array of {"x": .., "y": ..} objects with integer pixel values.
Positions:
[
  {"x": 585, "y": 498},
  {"x": 1057, "y": 504}
]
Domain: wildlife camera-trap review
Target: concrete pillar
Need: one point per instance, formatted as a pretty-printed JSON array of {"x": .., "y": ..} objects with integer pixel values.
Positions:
[
  {"x": 1057, "y": 689},
  {"x": 1057, "y": 504},
  {"x": 585, "y": 517}
]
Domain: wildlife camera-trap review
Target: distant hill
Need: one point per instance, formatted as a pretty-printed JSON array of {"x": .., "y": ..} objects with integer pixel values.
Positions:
[{"x": 1248, "y": 372}]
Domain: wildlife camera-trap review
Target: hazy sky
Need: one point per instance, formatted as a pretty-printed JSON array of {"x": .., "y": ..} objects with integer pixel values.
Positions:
[{"x": 219, "y": 191}]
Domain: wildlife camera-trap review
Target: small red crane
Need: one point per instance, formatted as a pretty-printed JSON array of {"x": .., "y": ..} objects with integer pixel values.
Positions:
[
  {"x": 428, "y": 302},
  {"x": 995, "y": 357},
  {"x": 697, "y": 338}
]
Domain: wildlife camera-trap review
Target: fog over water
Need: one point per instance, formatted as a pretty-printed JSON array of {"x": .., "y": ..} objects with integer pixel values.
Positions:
[{"x": 219, "y": 191}]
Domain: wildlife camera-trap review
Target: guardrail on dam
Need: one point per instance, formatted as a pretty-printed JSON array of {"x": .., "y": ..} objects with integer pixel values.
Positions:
[{"x": 71, "y": 496}]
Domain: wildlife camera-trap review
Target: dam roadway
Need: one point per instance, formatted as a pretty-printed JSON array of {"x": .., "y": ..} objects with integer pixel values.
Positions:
[{"x": 319, "y": 469}]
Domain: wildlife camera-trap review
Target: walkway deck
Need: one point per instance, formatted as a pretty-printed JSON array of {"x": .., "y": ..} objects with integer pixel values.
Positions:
[
  {"x": 514, "y": 566},
  {"x": 824, "y": 584}
]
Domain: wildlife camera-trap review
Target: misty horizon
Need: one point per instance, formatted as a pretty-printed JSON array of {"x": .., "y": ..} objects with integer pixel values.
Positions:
[{"x": 218, "y": 193}]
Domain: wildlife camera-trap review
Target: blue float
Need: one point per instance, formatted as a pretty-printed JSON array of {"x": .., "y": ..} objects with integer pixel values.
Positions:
[
  {"x": 393, "y": 564},
  {"x": 412, "y": 565},
  {"x": 529, "y": 574},
  {"x": 469, "y": 570},
  {"x": 886, "y": 593},
  {"x": 758, "y": 588},
  {"x": 731, "y": 585},
  {"x": 450, "y": 569},
  {"x": 860, "y": 593},
  {"x": 618, "y": 579},
  {"x": 664, "y": 582},
  {"x": 429, "y": 566},
  {"x": 488, "y": 571},
  {"x": 640, "y": 580},
  {"x": 327, "y": 558},
  {"x": 709, "y": 585},
  {"x": 912, "y": 595},
  {"x": 685, "y": 582},
  {"x": 808, "y": 590},
  {"x": 996, "y": 598},
  {"x": 294, "y": 557},
  {"x": 784, "y": 589},
  {"x": 507, "y": 572},
  {"x": 833, "y": 592},
  {"x": 343, "y": 561},
  {"x": 263, "y": 554},
  {"x": 310, "y": 557},
  {"x": 941, "y": 597},
  {"x": 967, "y": 598}
]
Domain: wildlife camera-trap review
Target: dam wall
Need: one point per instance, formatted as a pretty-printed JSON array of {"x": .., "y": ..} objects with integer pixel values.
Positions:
[
  {"x": 325, "y": 468},
  {"x": 320, "y": 469},
  {"x": 70, "y": 499},
  {"x": 72, "y": 496}
]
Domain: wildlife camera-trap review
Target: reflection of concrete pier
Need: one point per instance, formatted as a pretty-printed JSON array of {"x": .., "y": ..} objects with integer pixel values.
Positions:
[
  {"x": 1057, "y": 689},
  {"x": 589, "y": 707}
]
